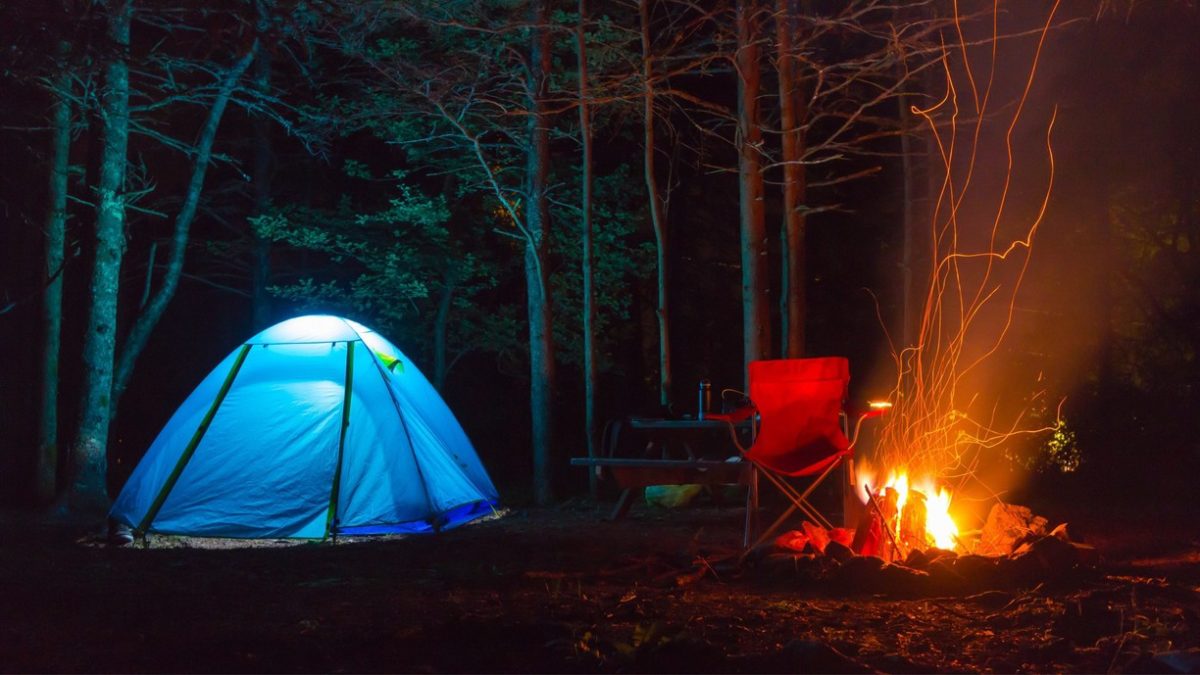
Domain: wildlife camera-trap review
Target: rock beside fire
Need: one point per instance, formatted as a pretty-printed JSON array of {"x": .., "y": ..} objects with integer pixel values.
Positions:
[
  {"x": 1045, "y": 557},
  {"x": 1006, "y": 527}
]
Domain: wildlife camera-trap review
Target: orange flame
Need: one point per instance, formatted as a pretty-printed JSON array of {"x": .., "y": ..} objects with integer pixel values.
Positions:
[{"x": 940, "y": 529}]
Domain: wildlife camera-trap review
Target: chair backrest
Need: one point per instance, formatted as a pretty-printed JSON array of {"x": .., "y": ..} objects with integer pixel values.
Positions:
[{"x": 799, "y": 403}]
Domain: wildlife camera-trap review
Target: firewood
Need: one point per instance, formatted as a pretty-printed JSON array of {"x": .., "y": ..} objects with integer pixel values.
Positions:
[
  {"x": 868, "y": 535},
  {"x": 912, "y": 522},
  {"x": 890, "y": 513}
]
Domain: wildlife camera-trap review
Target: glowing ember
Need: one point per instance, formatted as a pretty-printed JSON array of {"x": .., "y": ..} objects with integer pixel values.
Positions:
[
  {"x": 937, "y": 526},
  {"x": 945, "y": 420}
]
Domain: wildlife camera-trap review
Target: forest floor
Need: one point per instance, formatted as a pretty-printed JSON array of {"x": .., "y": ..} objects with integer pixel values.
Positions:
[{"x": 563, "y": 590}]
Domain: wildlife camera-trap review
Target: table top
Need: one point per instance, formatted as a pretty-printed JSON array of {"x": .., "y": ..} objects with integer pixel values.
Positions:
[{"x": 659, "y": 423}]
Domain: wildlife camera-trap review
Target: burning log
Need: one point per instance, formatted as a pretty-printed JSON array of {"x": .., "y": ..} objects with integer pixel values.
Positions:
[
  {"x": 889, "y": 508},
  {"x": 912, "y": 523},
  {"x": 868, "y": 536}
]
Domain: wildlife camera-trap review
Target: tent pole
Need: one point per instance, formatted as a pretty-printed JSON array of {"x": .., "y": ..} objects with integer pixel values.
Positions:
[
  {"x": 190, "y": 450},
  {"x": 383, "y": 373},
  {"x": 331, "y": 519}
]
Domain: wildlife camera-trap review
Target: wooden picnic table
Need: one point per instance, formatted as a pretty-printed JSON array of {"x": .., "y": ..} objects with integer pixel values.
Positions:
[{"x": 644, "y": 451}]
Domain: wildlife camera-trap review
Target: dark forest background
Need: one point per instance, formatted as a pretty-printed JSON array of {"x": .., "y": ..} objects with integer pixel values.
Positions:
[{"x": 337, "y": 184}]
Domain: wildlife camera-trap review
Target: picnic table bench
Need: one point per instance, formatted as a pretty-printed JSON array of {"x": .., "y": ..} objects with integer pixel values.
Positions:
[{"x": 644, "y": 451}]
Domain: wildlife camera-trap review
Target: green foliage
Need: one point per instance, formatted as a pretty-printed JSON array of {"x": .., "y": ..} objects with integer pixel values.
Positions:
[
  {"x": 391, "y": 266},
  {"x": 1061, "y": 450},
  {"x": 1156, "y": 239},
  {"x": 375, "y": 264},
  {"x": 1058, "y": 450},
  {"x": 453, "y": 99},
  {"x": 621, "y": 255}
]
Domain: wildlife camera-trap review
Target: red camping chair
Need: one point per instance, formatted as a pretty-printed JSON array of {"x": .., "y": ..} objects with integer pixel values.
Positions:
[{"x": 800, "y": 430}]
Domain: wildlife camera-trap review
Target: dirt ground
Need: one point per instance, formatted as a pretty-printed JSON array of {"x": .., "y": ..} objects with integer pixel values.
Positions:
[{"x": 563, "y": 590}]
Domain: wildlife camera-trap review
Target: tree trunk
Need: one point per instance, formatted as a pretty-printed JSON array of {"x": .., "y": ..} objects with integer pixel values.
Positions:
[
  {"x": 756, "y": 319},
  {"x": 916, "y": 193},
  {"x": 139, "y": 335},
  {"x": 260, "y": 264},
  {"x": 589, "y": 308},
  {"x": 792, "y": 113},
  {"x": 537, "y": 282},
  {"x": 440, "y": 323},
  {"x": 89, "y": 493},
  {"x": 45, "y": 482},
  {"x": 658, "y": 218}
]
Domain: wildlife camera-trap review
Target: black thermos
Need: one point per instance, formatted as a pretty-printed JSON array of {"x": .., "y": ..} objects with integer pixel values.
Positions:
[{"x": 705, "y": 398}]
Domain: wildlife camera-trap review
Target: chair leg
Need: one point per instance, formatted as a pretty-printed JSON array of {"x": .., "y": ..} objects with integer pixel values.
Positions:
[
  {"x": 628, "y": 496},
  {"x": 751, "y": 507},
  {"x": 799, "y": 503},
  {"x": 775, "y": 525}
]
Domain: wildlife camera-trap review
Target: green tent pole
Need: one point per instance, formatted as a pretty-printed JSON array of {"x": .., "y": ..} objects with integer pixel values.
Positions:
[
  {"x": 331, "y": 518},
  {"x": 383, "y": 373},
  {"x": 190, "y": 450}
]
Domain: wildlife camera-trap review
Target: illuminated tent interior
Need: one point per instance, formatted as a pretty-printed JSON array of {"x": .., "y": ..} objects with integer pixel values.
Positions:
[{"x": 316, "y": 426}]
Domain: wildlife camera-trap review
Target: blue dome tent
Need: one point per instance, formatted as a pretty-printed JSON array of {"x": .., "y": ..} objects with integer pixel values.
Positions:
[{"x": 316, "y": 426}]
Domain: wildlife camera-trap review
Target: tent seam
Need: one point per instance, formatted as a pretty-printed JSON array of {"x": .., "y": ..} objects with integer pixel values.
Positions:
[{"x": 408, "y": 437}]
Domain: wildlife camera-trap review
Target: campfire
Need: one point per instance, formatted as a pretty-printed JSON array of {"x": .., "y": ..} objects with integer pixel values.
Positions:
[
  {"x": 946, "y": 419},
  {"x": 898, "y": 515},
  {"x": 953, "y": 413},
  {"x": 916, "y": 513}
]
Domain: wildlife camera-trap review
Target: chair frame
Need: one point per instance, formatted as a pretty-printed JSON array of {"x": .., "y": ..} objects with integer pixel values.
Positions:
[
  {"x": 634, "y": 473},
  {"x": 799, "y": 498}
]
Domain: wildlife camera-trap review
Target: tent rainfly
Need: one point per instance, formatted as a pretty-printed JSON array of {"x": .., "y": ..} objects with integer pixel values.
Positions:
[{"x": 316, "y": 426}]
